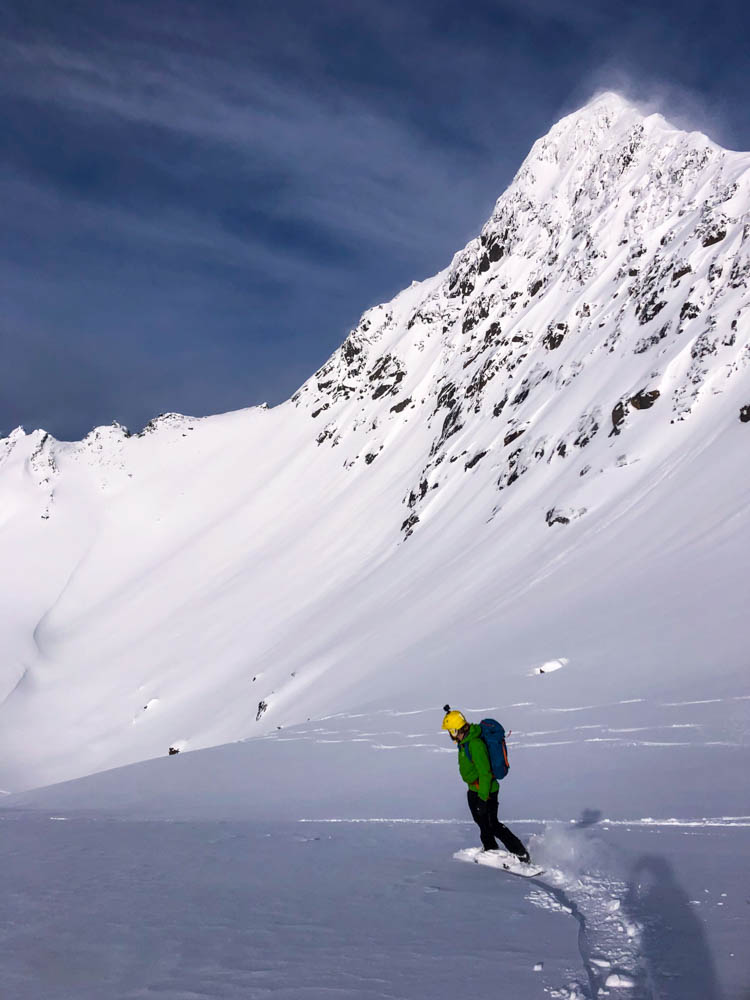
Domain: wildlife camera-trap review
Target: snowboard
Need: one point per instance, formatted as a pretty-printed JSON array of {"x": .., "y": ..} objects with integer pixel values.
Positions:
[{"x": 499, "y": 859}]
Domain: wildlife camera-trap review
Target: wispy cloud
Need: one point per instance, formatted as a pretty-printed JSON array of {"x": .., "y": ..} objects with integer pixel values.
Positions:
[
  {"x": 330, "y": 157},
  {"x": 235, "y": 183}
]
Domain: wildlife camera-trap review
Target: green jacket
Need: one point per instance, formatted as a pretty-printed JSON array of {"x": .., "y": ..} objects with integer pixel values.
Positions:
[{"x": 475, "y": 769}]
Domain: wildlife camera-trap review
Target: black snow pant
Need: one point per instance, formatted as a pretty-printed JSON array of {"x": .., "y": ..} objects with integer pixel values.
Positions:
[{"x": 484, "y": 815}]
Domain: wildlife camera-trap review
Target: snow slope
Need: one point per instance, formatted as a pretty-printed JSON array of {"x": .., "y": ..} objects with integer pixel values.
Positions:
[
  {"x": 319, "y": 861},
  {"x": 360, "y": 911},
  {"x": 289, "y": 912},
  {"x": 539, "y": 454}
]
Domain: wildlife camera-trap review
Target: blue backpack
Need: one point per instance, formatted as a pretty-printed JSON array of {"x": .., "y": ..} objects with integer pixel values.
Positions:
[{"x": 493, "y": 735}]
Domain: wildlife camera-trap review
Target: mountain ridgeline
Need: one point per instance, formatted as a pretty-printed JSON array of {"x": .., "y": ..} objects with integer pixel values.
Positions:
[{"x": 613, "y": 278}]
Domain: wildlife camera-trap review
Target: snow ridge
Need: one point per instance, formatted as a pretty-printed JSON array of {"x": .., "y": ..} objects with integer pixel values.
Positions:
[{"x": 612, "y": 277}]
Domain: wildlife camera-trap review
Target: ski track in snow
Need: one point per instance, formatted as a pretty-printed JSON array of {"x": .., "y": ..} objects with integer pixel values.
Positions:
[
  {"x": 646, "y": 821},
  {"x": 582, "y": 881},
  {"x": 712, "y": 732},
  {"x": 609, "y": 942},
  {"x": 576, "y": 883}
]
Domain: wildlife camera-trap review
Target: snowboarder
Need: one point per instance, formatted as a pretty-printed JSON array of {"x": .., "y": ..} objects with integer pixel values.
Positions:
[{"x": 474, "y": 767}]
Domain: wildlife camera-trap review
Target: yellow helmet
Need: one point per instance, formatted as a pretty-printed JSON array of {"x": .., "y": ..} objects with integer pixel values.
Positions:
[{"x": 454, "y": 721}]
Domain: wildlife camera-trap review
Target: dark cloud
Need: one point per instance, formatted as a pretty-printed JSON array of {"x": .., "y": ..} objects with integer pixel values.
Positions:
[{"x": 201, "y": 198}]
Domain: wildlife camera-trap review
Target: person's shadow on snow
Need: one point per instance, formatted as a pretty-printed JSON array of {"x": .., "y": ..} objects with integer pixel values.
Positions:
[
  {"x": 674, "y": 944},
  {"x": 589, "y": 817}
]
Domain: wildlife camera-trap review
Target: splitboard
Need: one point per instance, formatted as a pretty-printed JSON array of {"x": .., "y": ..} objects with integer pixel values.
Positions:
[{"x": 499, "y": 859}]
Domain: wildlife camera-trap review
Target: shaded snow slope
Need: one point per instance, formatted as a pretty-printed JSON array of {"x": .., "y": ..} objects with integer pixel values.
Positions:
[
  {"x": 320, "y": 859},
  {"x": 539, "y": 454},
  {"x": 270, "y": 911},
  {"x": 363, "y": 911}
]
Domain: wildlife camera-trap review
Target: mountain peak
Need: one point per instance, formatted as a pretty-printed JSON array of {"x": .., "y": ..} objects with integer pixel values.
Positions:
[
  {"x": 609, "y": 100},
  {"x": 605, "y": 119},
  {"x": 609, "y": 117}
]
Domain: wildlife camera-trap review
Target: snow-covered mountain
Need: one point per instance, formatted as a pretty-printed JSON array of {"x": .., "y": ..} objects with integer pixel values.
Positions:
[{"x": 538, "y": 455}]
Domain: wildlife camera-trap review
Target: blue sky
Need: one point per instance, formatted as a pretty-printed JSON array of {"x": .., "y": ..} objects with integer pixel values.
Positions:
[{"x": 200, "y": 198}]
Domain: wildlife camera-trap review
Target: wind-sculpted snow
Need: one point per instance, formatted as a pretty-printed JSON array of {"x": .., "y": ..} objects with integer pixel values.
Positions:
[{"x": 536, "y": 455}]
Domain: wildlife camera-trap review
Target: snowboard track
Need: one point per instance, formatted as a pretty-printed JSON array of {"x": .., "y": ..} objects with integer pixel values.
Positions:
[
  {"x": 609, "y": 940},
  {"x": 596, "y": 977},
  {"x": 583, "y": 942}
]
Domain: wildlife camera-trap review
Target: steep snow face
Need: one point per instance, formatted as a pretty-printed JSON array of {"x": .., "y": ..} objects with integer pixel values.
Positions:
[
  {"x": 611, "y": 278},
  {"x": 541, "y": 450}
]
